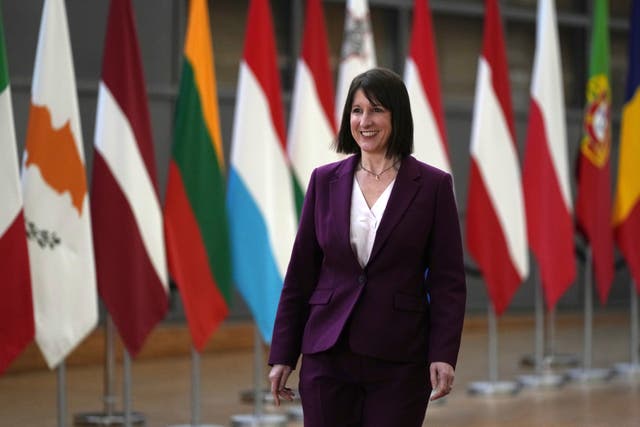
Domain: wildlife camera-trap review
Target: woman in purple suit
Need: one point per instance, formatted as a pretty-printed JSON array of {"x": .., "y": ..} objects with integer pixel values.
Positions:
[{"x": 374, "y": 295}]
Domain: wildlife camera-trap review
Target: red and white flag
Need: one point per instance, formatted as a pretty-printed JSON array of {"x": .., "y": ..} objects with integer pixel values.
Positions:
[
  {"x": 546, "y": 167},
  {"x": 358, "y": 50},
  {"x": 16, "y": 307},
  {"x": 423, "y": 84},
  {"x": 56, "y": 201},
  {"x": 496, "y": 229},
  {"x": 127, "y": 218},
  {"x": 311, "y": 127}
]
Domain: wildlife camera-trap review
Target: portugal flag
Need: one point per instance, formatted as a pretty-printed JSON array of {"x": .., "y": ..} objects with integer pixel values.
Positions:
[
  {"x": 593, "y": 205},
  {"x": 195, "y": 217},
  {"x": 626, "y": 208}
]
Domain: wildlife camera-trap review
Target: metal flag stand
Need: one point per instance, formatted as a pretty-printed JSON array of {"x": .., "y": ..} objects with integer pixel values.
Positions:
[
  {"x": 493, "y": 386},
  {"x": 258, "y": 418},
  {"x": 632, "y": 368},
  {"x": 109, "y": 417},
  {"x": 543, "y": 376},
  {"x": 587, "y": 373},
  {"x": 195, "y": 392},
  {"x": 62, "y": 395}
]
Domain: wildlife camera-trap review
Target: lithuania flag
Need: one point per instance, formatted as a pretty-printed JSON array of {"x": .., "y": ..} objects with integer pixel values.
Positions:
[{"x": 195, "y": 217}]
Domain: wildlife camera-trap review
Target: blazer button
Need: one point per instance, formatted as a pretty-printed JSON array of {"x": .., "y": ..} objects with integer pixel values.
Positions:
[{"x": 362, "y": 279}]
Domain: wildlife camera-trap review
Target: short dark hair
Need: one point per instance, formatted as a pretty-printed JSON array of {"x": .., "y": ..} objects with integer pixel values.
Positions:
[{"x": 384, "y": 87}]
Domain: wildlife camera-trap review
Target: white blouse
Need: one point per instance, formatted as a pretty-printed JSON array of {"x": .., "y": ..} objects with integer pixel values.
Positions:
[{"x": 365, "y": 220}]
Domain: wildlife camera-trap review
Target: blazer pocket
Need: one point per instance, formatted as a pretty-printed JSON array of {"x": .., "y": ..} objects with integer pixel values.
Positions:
[
  {"x": 406, "y": 302},
  {"x": 321, "y": 296}
]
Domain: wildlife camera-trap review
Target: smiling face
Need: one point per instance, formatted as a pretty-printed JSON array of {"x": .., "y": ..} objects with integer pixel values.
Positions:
[{"x": 370, "y": 124}]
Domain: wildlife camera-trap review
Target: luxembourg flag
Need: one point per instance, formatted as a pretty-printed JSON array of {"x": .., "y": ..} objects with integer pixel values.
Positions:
[
  {"x": 496, "y": 229},
  {"x": 546, "y": 167},
  {"x": 262, "y": 218},
  {"x": 311, "y": 128},
  {"x": 423, "y": 85},
  {"x": 358, "y": 51}
]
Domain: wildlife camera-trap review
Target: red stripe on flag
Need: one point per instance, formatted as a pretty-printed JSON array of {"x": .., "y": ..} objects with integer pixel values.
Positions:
[
  {"x": 423, "y": 53},
  {"x": 260, "y": 55},
  {"x": 315, "y": 53},
  {"x": 628, "y": 237},
  {"x": 495, "y": 53},
  {"x": 16, "y": 304},
  {"x": 127, "y": 281},
  {"x": 549, "y": 223},
  {"x": 122, "y": 74},
  {"x": 486, "y": 243},
  {"x": 593, "y": 211},
  {"x": 205, "y": 306}
]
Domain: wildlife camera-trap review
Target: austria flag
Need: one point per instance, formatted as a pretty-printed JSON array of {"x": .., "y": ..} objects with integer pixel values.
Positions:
[
  {"x": 496, "y": 233},
  {"x": 423, "y": 85}
]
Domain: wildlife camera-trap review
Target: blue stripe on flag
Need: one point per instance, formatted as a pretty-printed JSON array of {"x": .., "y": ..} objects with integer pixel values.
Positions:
[{"x": 255, "y": 271}]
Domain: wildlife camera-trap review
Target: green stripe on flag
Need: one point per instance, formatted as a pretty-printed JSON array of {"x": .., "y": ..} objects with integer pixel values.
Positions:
[
  {"x": 196, "y": 158},
  {"x": 4, "y": 69},
  {"x": 599, "y": 61}
]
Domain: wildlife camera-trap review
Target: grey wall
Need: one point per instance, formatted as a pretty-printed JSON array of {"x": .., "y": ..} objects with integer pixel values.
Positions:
[{"x": 161, "y": 25}]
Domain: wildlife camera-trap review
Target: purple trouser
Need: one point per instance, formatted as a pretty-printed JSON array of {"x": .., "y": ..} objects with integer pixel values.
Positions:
[{"x": 341, "y": 389}]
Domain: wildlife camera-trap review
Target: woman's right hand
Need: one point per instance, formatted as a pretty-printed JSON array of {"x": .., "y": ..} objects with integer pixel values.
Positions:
[{"x": 278, "y": 377}]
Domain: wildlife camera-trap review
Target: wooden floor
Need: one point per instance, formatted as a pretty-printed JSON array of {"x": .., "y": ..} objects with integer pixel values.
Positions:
[{"x": 161, "y": 389}]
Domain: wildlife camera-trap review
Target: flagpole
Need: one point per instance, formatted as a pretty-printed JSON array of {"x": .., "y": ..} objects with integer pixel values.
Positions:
[
  {"x": 62, "y": 396},
  {"x": 258, "y": 418},
  {"x": 632, "y": 368},
  {"x": 493, "y": 386},
  {"x": 543, "y": 376},
  {"x": 587, "y": 373}
]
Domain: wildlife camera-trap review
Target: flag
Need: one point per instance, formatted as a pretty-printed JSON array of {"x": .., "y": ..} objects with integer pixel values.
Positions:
[
  {"x": 196, "y": 230},
  {"x": 16, "y": 307},
  {"x": 260, "y": 201},
  {"x": 127, "y": 219},
  {"x": 593, "y": 205},
  {"x": 56, "y": 202},
  {"x": 547, "y": 192},
  {"x": 423, "y": 85},
  {"x": 311, "y": 127},
  {"x": 626, "y": 207},
  {"x": 496, "y": 234},
  {"x": 358, "y": 51}
]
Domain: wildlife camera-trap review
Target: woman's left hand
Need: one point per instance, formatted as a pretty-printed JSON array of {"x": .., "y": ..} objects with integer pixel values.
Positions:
[{"x": 442, "y": 375}]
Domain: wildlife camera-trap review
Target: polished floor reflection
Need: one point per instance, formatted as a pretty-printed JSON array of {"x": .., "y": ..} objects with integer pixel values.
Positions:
[{"x": 161, "y": 386}]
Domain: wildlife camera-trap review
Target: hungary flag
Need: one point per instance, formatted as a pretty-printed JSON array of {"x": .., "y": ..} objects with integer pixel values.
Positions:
[{"x": 195, "y": 219}]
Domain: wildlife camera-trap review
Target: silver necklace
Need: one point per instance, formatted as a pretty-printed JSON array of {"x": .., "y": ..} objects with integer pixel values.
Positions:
[{"x": 378, "y": 175}]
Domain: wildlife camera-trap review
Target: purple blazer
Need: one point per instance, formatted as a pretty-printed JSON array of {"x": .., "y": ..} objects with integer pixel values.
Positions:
[{"x": 392, "y": 309}]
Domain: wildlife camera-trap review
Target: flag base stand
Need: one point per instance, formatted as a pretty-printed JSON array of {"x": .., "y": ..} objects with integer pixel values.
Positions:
[
  {"x": 592, "y": 375},
  {"x": 553, "y": 361},
  {"x": 263, "y": 420},
  {"x": 295, "y": 414},
  {"x": 543, "y": 380},
  {"x": 631, "y": 370},
  {"x": 104, "y": 419},
  {"x": 494, "y": 388}
]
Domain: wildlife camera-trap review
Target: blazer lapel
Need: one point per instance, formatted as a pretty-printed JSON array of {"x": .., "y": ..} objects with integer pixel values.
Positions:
[
  {"x": 341, "y": 187},
  {"x": 404, "y": 190}
]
